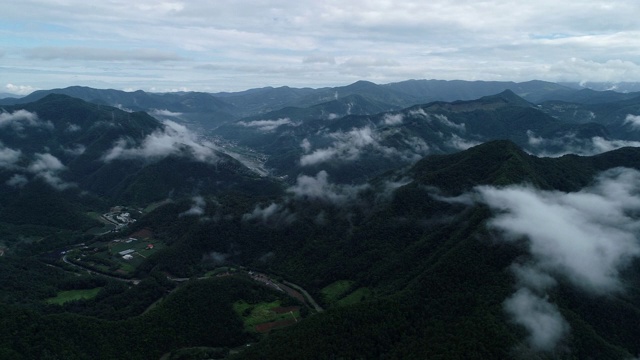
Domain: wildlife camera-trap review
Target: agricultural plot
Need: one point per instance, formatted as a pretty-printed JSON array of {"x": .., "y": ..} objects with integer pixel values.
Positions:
[
  {"x": 73, "y": 295},
  {"x": 263, "y": 317},
  {"x": 335, "y": 291},
  {"x": 359, "y": 295},
  {"x": 340, "y": 293}
]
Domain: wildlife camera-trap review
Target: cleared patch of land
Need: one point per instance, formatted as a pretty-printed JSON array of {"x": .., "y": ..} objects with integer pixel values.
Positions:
[
  {"x": 359, "y": 295},
  {"x": 335, "y": 291},
  {"x": 257, "y": 316},
  {"x": 72, "y": 295}
]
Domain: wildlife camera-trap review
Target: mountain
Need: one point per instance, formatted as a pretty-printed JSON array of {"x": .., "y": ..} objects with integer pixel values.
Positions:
[
  {"x": 198, "y": 109},
  {"x": 63, "y": 157},
  {"x": 448, "y": 287},
  {"x": 618, "y": 116},
  {"x": 494, "y": 227},
  {"x": 354, "y": 148},
  {"x": 442, "y": 90},
  {"x": 8, "y": 95},
  {"x": 457, "y": 256}
]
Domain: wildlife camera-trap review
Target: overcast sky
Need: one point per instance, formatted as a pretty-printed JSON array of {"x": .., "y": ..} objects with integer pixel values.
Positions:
[{"x": 234, "y": 45}]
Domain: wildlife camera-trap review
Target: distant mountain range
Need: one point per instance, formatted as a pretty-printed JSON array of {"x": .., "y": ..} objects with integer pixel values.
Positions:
[{"x": 208, "y": 111}]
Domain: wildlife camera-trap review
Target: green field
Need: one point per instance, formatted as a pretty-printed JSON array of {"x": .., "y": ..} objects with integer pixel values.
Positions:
[
  {"x": 361, "y": 294},
  {"x": 335, "y": 291},
  {"x": 71, "y": 295},
  {"x": 255, "y": 314}
]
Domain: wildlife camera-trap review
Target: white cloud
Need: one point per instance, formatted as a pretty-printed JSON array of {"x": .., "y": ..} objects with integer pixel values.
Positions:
[
  {"x": 274, "y": 213},
  {"x": 73, "y": 128},
  {"x": 8, "y": 157},
  {"x": 197, "y": 207},
  {"x": 77, "y": 149},
  {"x": 587, "y": 237},
  {"x": 267, "y": 125},
  {"x": 20, "y": 119},
  {"x": 47, "y": 167},
  {"x": 459, "y": 143},
  {"x": 444, "y": 120},
  {"x": 17, "y": 180},
  {"x": 439, "y": 118},
  {"x": 172, "y": 139},
  {"x": 346, "y": 146},
  {"x": 20, "y": 89},
  {"x": 543, "y": 321},
  {"x": 164, "y": 113},
  {"x": 570, "y": 144},
  {"x": 633, "y": 120},
  {"x": 245, "y": 44},
  {"x": 305, "y": 145},
  {"x": 319, "y": 188},
  {"x": 393, "y": 119},
  {"x": 100, "y": 54}
]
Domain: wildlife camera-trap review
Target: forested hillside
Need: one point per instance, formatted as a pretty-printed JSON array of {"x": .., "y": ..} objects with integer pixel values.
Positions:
[{"x": 439, "y": 230}]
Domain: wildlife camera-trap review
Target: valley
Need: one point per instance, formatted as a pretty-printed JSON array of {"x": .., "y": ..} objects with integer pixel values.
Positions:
[{"x": 364, "y": 221}]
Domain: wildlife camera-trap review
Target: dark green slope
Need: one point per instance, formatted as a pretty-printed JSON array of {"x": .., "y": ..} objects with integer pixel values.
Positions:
[
  {"x": 62, "y": 172},
  {"x": 441, "y": 282}
]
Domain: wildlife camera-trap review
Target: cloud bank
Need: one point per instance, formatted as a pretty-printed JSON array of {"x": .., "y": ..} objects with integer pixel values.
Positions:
[
  {"x": 8, "y": 157},
  {"x": 271, "y": 214},
  {"x": 20, "y": 119},
  {"x": 47, "y": 167},
  {"x": 172, "y": 139},
  {"x": 570, "y": 144},
  {"x": 267, "y": 125},
  {"x": 319, "y": 188},
  {"x": 197, "y": 207},
  {"x": 586, "y": 238}
]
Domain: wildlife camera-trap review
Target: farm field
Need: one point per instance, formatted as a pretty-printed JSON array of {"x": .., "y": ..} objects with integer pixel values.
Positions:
[
  {"x": 335, "y": 291},
  {"x": 72, "y": 295},
  {"x": 264, "y": 316},
  {"x": 359, "y": 295}
]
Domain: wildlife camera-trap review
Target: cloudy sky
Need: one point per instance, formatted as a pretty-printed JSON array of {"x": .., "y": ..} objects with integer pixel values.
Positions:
[{"x": 234, "y": 45}]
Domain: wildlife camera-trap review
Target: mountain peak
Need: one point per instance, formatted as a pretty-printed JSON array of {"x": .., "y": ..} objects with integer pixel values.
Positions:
[
  {"x": 508, "y": 97},
  {"x": 499, "y": 162}
]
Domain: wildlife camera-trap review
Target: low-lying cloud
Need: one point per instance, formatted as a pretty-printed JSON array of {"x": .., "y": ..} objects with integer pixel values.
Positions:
[
  {"x": 633, "y": 120},
  {"x": 459, "y": 143},
  {"x": 442, "y": 119},
  {"x": 571, "y": 144},
  {"x": 76, "y": 149},
  {"x": 319, "y": 188},
  {"x": 272, "y": 214},
  {"x": 197, "y": 207},
  {"x": 347, "y": 146},
  {"x": 393, "y": 119},
  {"x": 172, "y": 139},
  {"x": 17, "y": 180},
  {"x": 8, "y": 157},
  {"x": 47, "y": 167},
  {"x": 586, "y": 238},
  {"x": 164, "y": 113},
  {"x": 20, "y": 119},
  {"x": 543, "y": 321},
  {"x": 267, "y": 125}
]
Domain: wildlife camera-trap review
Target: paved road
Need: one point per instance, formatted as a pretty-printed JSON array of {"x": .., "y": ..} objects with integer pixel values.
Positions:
[{"x": 306, "y": 295}]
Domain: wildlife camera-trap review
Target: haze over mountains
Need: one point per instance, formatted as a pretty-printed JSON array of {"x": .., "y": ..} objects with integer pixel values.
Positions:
[{"x": 429, "y": 218}]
